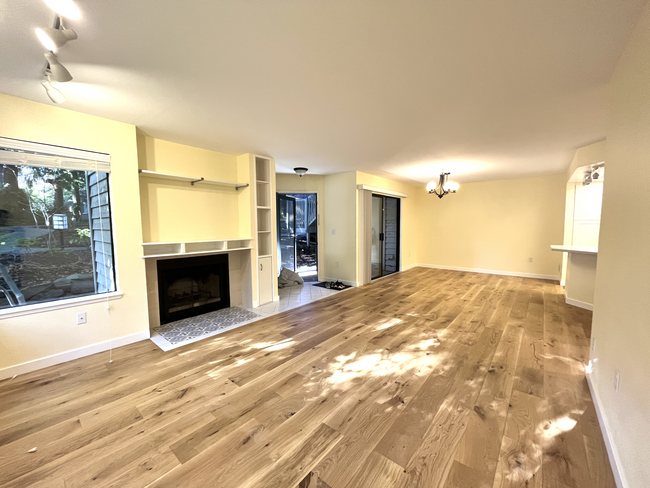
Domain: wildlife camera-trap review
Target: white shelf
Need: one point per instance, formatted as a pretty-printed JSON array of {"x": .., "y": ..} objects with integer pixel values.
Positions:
[
  {"x": 191, "y": 179},
  {"x": 263, "y": 208},
  {"x": 193, "y": 248},
  {"x": 576, "y": 249}
]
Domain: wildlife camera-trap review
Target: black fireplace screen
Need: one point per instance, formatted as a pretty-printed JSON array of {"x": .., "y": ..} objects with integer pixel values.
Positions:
[{"x": 192, "y": 286}]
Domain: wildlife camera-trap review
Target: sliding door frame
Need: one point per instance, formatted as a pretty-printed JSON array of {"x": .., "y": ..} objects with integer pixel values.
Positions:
[{"x": 398, "y": 243}]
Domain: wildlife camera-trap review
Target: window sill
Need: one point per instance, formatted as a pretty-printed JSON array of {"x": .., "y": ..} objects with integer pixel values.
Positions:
[{"x": 58, "y": 305}]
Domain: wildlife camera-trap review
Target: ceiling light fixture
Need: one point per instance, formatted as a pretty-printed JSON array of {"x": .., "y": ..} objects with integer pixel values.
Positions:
[
  {"x": 55, "y": 95},
  {"x": 56, "y": 69},
  {"x": 587, "y": 179},
  {"x": 443, "y": 186},
  {"x": 54, "y": 39},
  {"x": 66, "y": 8},
  {"x": 300, "y": 171}
]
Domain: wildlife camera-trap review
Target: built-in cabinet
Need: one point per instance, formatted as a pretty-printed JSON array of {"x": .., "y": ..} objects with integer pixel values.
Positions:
[
  {"x": 265, "y": 277},
  {"x": 265, "y": 220}
]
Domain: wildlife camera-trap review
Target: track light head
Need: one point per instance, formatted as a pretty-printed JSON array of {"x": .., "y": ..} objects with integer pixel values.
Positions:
[
  {"x": 56, "y": 69},
  {"x": 55, "y": 95},
  {"x": 587, "y": 179},
  {"x": 53, "y": 38}
]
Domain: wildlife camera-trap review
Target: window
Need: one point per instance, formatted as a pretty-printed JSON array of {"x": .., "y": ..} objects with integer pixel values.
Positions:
[{"x": 55, "y": 226}]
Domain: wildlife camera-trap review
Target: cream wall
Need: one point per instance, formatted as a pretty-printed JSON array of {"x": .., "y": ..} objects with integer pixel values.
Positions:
[
  {"x": 338, "y": 208},
  {"x": 177, "y": 211},
  {"x": 36, "y": 336},
  {"x": 495, "y": 225},
  {"x": 340, "y": 226},
  {"x": 621, "y": 323}
]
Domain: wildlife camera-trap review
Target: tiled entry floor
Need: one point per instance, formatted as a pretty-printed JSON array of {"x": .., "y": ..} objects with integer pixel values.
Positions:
[{"x": 290, "y": 297}]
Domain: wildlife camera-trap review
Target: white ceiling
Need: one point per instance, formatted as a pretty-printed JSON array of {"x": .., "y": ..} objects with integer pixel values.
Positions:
[{"x": 485, "y": 89}]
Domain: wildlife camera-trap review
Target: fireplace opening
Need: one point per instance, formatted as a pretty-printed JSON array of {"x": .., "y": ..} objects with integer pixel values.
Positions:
[{"x": 192, "y": 286}]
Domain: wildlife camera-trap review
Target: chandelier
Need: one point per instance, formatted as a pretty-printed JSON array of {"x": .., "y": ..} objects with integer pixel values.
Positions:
[{"x": 443, "y": 186}]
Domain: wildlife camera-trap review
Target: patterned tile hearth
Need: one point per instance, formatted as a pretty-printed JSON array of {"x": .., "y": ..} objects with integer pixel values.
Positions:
[
  {"x": 175, "y": 334},
  {"x": 186, "y": 331}
]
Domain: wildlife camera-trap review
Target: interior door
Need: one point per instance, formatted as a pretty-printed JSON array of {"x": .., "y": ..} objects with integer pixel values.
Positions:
[{"x": 287, "y": 231}]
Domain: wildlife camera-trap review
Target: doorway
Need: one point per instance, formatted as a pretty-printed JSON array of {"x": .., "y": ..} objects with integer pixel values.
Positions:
[
  {"x": 385, "y": 238},
  {"x": 298, "y": 233}
]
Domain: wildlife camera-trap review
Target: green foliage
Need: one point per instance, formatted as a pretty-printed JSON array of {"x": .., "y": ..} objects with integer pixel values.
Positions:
[
  {"x": 26, "y": 242},
  {"x": 32, "y": 195},
  {"x": 82, "y": 238}
]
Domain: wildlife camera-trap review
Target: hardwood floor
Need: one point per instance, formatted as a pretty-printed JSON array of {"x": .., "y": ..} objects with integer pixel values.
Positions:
[{"x": 429, "y": 378}]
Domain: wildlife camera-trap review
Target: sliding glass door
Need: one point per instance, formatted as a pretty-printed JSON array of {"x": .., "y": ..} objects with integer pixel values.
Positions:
[
  {"x": 384, "y": 244},
  {"x": 287, "y": 231}
]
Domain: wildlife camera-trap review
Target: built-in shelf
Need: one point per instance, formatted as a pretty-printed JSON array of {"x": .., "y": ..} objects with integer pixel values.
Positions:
[
  {"x": 191, "y": 179},
  {"x": 171, "y": 249}
]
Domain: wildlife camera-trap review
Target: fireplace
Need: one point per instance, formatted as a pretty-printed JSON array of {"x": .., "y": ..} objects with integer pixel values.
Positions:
[{"x": 192, "y": 286}]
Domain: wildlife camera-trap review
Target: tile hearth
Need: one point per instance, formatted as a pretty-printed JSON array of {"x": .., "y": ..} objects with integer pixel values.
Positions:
[{"x": 186, "y": 331}]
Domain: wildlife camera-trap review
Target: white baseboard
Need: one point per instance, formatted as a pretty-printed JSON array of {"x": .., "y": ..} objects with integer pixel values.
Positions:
[
  {"x": 488, "y": 271},
  {"x": 345, "y": 282},
  {"x": 578, "y": 303},
  {"x": 63, "y": 357},
  {"x": 612, "y": 452}
]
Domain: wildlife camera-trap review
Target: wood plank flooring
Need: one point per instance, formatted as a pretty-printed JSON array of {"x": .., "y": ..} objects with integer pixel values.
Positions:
[{"x": 429, "y": 378}]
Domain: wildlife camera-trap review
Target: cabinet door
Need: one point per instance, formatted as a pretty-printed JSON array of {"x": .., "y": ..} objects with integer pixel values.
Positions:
[{"x": 265, "y": 278}]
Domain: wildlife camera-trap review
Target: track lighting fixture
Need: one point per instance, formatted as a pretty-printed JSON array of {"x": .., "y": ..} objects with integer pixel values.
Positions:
[
  {"x": 54, "y": 39},
  {"x": 443, "y": 186},
  {"x": 55, "y": 95},
  {"x": 56, "y": 69},
  {"x": 587, "y": 179},
  {"x": 65, "y": 8},
  {"x": 300, "y": 171}
]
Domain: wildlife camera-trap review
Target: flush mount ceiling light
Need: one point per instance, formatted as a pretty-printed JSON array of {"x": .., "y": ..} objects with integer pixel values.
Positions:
[
  {"x": 443, "y": 186},
  {"x": 300, "y": 171},
  {"x": 65, "y": 8},
  {"x": 54, "y": 39},
  {"x": 56, "y": 69},
  {"x": 55, "y": 95}
]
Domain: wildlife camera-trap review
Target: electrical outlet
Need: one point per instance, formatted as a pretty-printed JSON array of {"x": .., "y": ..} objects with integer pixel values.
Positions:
[
  {"x": 593, "y": 344},
  {"x": 530, "y": 260},
  {"x": 617, "y": 380},
  {"x": 337, "y": 264},
  {"x": 559, "y": 268},
  {"x": 333, "y": 231},
  {"x": 81, "y": 318}
]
